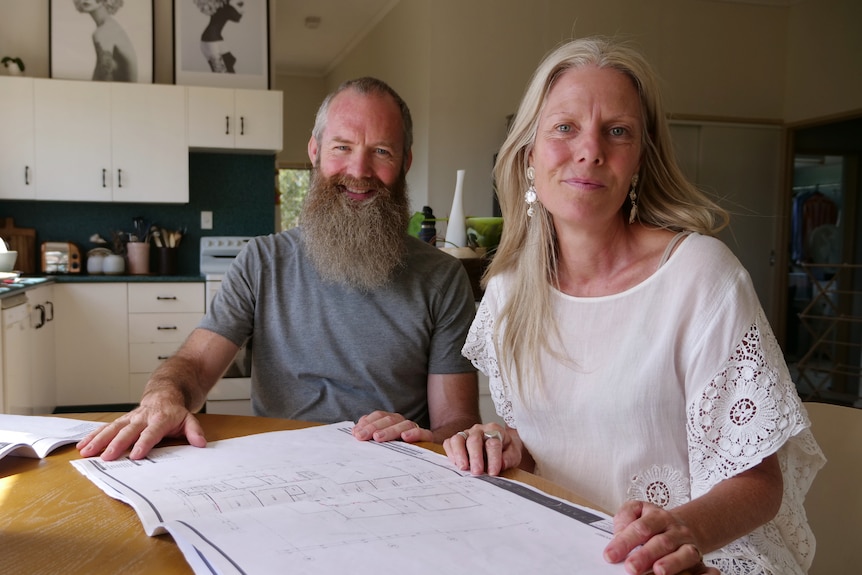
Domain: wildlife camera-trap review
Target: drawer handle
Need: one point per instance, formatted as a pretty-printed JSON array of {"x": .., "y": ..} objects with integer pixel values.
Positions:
[
  {"x": 167, "y": 327},
  {"x": 227, "y": 125},
  {"x": 26, "y": 175},
  {"x": 166, "y": 297},
  {"x": 163, "y": 357}
]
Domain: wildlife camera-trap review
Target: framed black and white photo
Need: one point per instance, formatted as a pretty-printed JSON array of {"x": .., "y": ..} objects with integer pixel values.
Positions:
[
  {"x": 223, "y": 43},
  {"x": 107, "y": 40}
]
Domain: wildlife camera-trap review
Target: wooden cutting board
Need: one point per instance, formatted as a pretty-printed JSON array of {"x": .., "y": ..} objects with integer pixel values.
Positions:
[{"x": 23, "y": 241}]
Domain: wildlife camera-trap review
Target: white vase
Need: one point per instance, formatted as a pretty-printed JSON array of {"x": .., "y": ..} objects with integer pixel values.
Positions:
[{"x": 456, "y": 229}]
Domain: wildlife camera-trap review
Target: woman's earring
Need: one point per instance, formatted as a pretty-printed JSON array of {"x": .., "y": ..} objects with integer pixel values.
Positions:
[
  {"x": 530, "y": 196},
  {"x": 633, "y": 196}
]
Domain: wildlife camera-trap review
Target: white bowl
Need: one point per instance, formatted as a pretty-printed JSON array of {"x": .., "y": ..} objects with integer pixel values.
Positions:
[{"x": 7, "y": 261}]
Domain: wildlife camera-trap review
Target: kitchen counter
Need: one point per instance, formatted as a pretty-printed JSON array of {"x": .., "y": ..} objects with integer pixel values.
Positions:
[
  {"x": 22, "y": 284},
  {"x": 101, "y": 278}
]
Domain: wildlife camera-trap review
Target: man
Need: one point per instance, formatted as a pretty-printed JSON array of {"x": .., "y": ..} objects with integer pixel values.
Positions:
[{"x": 349, "y": 315}]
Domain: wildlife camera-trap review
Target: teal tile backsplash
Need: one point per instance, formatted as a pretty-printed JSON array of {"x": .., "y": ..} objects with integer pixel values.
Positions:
[{"x": 238, "y": 188}]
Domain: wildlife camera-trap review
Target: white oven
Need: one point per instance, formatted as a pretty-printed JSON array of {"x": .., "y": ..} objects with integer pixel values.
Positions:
[{"x": 232, "y": 393}]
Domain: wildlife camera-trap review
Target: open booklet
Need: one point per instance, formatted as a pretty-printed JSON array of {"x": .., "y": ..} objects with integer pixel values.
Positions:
[
  {"x": 316, "y": 500},
  {"x": 37, "y": 436}
]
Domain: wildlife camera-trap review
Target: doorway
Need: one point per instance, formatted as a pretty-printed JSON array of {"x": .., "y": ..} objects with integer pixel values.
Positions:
[{"x": 823, "y": 322}]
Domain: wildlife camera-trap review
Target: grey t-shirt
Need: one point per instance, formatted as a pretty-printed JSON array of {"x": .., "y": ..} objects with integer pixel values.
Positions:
[{"x": 326, "y": 352}]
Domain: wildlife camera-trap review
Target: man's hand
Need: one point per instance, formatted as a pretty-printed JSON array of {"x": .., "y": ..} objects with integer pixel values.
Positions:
[
  {"x": 144, "y": 427},
  {"x": 384, "y": 426}
]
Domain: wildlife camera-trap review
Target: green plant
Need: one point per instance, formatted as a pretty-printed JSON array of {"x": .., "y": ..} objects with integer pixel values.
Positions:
[{"x": 7, "y": 59}]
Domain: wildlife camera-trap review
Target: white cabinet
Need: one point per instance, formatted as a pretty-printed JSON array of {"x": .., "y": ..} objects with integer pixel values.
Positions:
[
  {"x": 17, "y": 147},
  {"x": 92, "y": 343},
  {"x": 103, "y": 141},
  {"x": 43, "y": 378},
  {"x": 226, "y": 119},
  {"x": 150, "y": 152},
  {"x": 740, "y": 166},
  {"x": 17, "y": 350},
  {"x": 161, "y": 316},
  {"x": 73, "y": 140},
  {"x": 113, "y": 335}
]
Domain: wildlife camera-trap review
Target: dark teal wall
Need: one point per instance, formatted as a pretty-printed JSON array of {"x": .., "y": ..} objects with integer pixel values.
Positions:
[{"x": 238, "y": 189}]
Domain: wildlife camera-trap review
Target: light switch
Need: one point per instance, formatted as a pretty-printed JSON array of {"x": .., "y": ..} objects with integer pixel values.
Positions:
[{"x": 206, "y": 220}]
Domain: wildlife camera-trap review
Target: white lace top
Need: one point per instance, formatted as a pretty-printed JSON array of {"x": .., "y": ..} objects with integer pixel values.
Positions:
[{"x": 669, "y": 387}]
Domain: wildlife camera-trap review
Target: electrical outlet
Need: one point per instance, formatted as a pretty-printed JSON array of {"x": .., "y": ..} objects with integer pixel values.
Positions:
[{"x": 206, "y": 220}]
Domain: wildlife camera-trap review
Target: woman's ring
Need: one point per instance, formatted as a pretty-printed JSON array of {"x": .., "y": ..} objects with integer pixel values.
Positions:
[
  {"x": 463, "y": 434},
  {"x": 494, "y": 435}
]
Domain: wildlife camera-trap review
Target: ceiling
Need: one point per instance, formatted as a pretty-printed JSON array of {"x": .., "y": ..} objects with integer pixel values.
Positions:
[{"x": 301, "y": 51}]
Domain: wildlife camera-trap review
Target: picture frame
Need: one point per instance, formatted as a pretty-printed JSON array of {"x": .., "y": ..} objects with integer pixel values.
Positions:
[
  {"x": 222, "y": 43},
  {"x": 124, "y": 31}
]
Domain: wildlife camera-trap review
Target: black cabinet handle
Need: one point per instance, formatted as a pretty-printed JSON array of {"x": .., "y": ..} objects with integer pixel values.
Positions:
[
  {"x": 26, "y": 175},
  {"x": 242, "y": 125},
  {"x": 163, "y": 357},
  {"x": 167, "y": 328},
  {"x": 42, "y": 320},
  {"x": 104, "y": 174},
  {"x": 167, "y": 297},
  {"x": 120, "y": 178},
  {"x": 50, "y": 305},
  {"x": 227, "y": 125}
]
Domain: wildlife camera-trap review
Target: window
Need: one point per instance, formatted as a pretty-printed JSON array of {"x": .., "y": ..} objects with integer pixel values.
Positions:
[{"x": 292, "y": 184}]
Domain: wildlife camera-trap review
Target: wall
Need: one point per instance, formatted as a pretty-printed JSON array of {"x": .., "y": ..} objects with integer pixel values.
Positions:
[
  {"x": 823, "y": 52},
  {"x": 481, "y": 58},
  {"x": 238, "y": 189},
  {"x": 302, "y": 97}
]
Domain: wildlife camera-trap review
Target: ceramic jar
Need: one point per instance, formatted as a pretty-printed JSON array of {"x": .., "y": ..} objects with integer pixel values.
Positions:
[{"x": 113, "y": 264}]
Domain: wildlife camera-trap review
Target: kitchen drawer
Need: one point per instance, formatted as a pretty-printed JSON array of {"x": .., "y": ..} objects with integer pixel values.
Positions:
[
  {"x": 145, "y": 357},
  {"x": 162, "y": 327},
  {"x": 137, "y": 384},
  {"x": 159, "y": 297}
]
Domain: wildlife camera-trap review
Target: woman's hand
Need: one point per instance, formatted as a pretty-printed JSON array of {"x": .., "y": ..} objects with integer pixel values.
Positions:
[
  {"x": 650, "y": 538},
  {"x": 485, "y": 448}
]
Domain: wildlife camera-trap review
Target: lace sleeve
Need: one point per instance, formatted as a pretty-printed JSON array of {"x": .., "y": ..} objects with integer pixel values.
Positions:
[
  {"x": 479, "y": 349},
  {"x": 749, "y": 411}
]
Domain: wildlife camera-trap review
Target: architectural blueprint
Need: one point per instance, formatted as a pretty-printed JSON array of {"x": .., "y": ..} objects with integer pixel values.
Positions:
[{"x": 318, "y": 501}]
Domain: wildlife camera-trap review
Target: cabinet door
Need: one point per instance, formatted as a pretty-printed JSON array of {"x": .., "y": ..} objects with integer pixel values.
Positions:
[
  {"x": 73, "y": 140},
  {"x": 211, "y": 118},
  {"x": 17, "y": 348},
  {"x": 149, "y": 143},
  {"x": 17, "y": 143},
  {"x": 92, "y": 340},
  {"x": 42, "y": 314},
  {"x": 740, "y": 166},
  {"x": 259, "y": 120}
]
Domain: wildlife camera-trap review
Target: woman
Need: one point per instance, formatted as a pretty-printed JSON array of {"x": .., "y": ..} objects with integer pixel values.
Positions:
[
  {"x": 220, "y": 59},
  {"x": 625, "y": 346},
  {"x": 115, "y": 55}
]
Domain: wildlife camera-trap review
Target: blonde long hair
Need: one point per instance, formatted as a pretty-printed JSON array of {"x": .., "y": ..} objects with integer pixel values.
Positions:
[{"x": 528, "y": 247}]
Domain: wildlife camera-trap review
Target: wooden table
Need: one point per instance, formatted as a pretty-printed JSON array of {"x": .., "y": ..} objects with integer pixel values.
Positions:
[{"x": 54, "y": 520}]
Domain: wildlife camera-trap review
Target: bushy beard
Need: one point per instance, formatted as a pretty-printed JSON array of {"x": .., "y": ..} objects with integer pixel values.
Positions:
[{"x": 357, "y": 243}]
